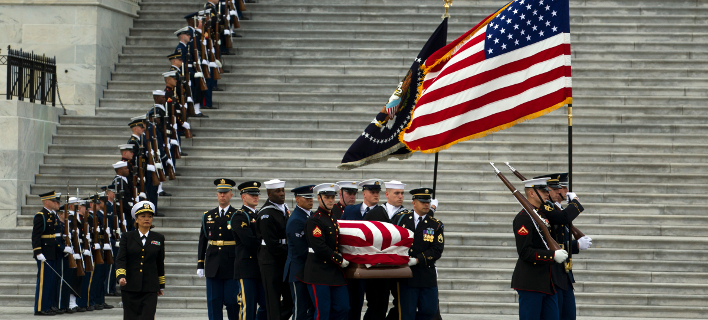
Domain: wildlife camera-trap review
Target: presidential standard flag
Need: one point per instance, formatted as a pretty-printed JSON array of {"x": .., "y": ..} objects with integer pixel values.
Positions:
[
  {"x": 379, "y": 141},
  {"x": 512, "y": 67}
]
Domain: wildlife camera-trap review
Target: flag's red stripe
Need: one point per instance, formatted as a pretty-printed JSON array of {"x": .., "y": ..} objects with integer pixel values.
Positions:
[
  {"x": 484, "y": 77},
  {"x": 353, "y": 241},
  {"x": 522, "y": 110},
  {"x": 385, "y": 233},
  {"x": 437, "y": 55},
  {"x": 472, "y": 59},
  {"x": 364, "y": 229},
  {"x": 488, "y": 98},
  {"x": 466, "y": 62}
]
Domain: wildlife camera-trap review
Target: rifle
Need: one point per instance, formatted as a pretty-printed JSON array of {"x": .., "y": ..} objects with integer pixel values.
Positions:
[
  {"x": 87, "y": 245},
  {"x": 67, "y": 231},
  {"x": 241, "y": 5},
  {"x": 187, "y": 89},
  {"x": 98, "y": 254},
  {"x": 576, "y": 232},
  {"x": 107, "y": 238},
  {"x": 173, "y": 125},
  {"x": 141, "y": 166},
  {"x": 529, "y": 208},
  {"x": 75, "y": 239},
  {"x": 119, "y": 203},
  {"x": 197, "y": 62},
  {"x": 217, "y": 36},
  {"x": 151, "y": 161},
  {"x": 232, "y": 23},
  {"x": 209, "y": 35},
  {"x": 153, "y": 141},
  {"x": 202, "y": 50},
  {"x": 167, "y": 146},
  {"x": 183, "y": 113}
]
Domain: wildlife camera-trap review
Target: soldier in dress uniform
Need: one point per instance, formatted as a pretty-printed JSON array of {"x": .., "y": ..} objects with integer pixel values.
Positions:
[
  {"x": 59, "y": 304},
  {"x": 141, "y": 265},
  {"x": 246, "y": 270},
  {"x": 68, "y": 274},
  {"x": 98, "y": 288},
  {"x": 418, "y": 295},
  {"x": 110, "y": 223},
  {"x": 297, "y": 252},
  {"x": 87, "y": 216},
  {"x": 533, "y": 274},
  {"x": 347, "y": 197},
  {"x": 323, "y": 267},
  {"x": 124, "y": 186},
  {"x": 139, "y": 141},
  {"x": 271, "y": 224},
  {"x": 217, "y": 249},
  {"x": 377, "y": 290},
  {"x": 46, "y": 252}
]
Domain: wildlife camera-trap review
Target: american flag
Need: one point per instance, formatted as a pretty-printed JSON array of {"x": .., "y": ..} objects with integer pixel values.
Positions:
[
  {"x": 373, "y": 242},
  {"x": 512, "y": 67}
]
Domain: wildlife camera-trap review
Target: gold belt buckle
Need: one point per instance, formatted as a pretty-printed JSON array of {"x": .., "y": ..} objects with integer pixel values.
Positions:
[{"x": 219, "y": 242}]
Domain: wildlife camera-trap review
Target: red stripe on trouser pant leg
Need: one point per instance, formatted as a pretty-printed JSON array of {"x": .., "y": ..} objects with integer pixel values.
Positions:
[{"x": 317, "y": 308}]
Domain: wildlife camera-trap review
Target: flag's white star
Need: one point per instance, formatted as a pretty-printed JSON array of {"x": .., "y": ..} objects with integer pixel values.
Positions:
[
  {"x": 528, "y": 7},
  {"x": 516, "y": 42},
  {"x": 523, "y": 32},
  {"x": 548, "y": 8},
  {"x": 541, "y": 33},
  {"x": 522, "y": 1},
  {"x": 496, "y": 41},
  {"x": 535, "y": 12},
  {"x": 503, "y": 17},
  {"x": 528, "y": 22},
  {"x": 548, "y": 23},
  {"x": 503, "y": 46},
  {"x": 528, "y": 38},
  {"x": 540, "y": 18},
  {"x": 508, "y": 9},
  {"x": 508, "y": 21},
  {"x": 540, "y": 2},
  {"x": 554, "y": 13},
  {"x": 496, "y": 26},
  {"x": 515, "y": 11},
  {"x": 510, "y": 36},
  {"x": 489, "y": 36},
  {"x": 516, "y": 27},
  {"x": 523, "y": 16},
  {"x": 502, "y": 30},
  {"x": 490, "y": 51},
  {"x": 534, "y": 28},
  {"x": 554, "y": 29}
]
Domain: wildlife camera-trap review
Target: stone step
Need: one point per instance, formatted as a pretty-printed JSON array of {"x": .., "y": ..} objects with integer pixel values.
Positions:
[{"x": 580, "y": 287}]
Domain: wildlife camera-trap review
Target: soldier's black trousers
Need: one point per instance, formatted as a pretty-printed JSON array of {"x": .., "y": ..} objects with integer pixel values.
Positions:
[
  {"x": 139, "y": 305},
  {"x": 377, "y": 292}
]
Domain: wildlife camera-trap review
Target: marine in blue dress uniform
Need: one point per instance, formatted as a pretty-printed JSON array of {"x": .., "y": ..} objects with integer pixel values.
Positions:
[
  {"x": 418, "y": 295},
  {"x": 323, "y": 268},
  {"x": 46, "y": 252},
  {"x": 217, "y": 252},
  {"x": 246, "y": 270},
  {"x": 533, "y": 274},
  {"x": 297, "y": 252},
  {"x": 271, "y": 223},
  {"x": 371, "y": 191}
]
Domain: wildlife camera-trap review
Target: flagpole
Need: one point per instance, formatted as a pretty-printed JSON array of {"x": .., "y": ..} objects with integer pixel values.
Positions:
[
  {"x": 435, "y": 175},
  {"x": 447, "y": 4},
  {"x": 570, "y": 147}
]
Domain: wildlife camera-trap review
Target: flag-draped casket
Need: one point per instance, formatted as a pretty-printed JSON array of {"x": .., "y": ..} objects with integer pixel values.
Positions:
[{"x": 379, "y": 244}]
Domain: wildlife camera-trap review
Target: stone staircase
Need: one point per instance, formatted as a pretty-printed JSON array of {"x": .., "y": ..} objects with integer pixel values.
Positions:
[{"x": 309, "y": 75}]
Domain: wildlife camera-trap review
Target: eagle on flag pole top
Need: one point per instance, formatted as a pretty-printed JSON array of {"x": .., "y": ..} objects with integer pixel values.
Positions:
[{"x": 511, "y": 67}]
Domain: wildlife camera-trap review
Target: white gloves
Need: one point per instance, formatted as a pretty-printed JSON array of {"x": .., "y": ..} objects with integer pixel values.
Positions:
[
  {"x": 87, "y": 253},
  {"x": 345, "y": 263},
  {"x": 186, "y": 126},
  {"x": 108, "y": 230},
  {"x": 218, "y": 63},
  {"x": 96, "y": 246},
  {"x": 88, "y": 237},
  {"x": 584, "y": 243},
  {"x": 560, "y": 256},
  {"x": 434, "y": 204},
  {"x": 77, "y": 256},
  {"x": 200, "y": 273},
  {"x": 151, "y": 167},
  {"x": 198, "y": 75},
  {"x": 69, "y": 250},
  {"x": 40, "y": 257},
  {"x": 125, "y": 223},
  {"x": 106, "y": 246},
  {"x": 98, "y": 229},
  {"x": 412, "y": 261},
  {"x": 570, "y": 196}
]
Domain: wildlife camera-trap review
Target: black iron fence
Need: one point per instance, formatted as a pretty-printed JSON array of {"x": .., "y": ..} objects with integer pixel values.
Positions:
[{"x": 30, "y": 76}]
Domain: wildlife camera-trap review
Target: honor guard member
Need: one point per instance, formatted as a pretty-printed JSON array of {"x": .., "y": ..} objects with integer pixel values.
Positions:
[
  {"x": 563, "y": 277},
  {"x": 98, "y": 288},
  {"x": 139, "y": 141},
  {"x": 60, "y": 304},
  {"x": 347, "y": 197},
  {"x": 532, "y": 277},
  {"x": 217, "y": 249},
  {"x": 246, "y": 271},
  {"x": 371, "y": 190},
  {"x": 271, "y": 224},
  {"x": 418, "y": 295},
  {"x": 185, "y": 51},
  {"x": 377, "y": 290},
  {"x": 192, "y": 48},
  {"x": 140, "y": 266},
  {"x": 46, "y": 252},
  {"x": 297, "y": 252},
  {"x": 110, "y": 199},
  {"x": 67, "y": 298},
  {"x": 124, "y": 187},
  {"x": 323, "y": 268},
  {"x": 87, "y": 217},
  {"x": 81, "y": 215},
  {"x": 68, "y": 274}
]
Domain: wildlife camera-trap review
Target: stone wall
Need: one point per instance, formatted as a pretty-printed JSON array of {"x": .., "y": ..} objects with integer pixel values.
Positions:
[
  {"x": 27, "y": 130},
  {"x": 86, "y": 37}
]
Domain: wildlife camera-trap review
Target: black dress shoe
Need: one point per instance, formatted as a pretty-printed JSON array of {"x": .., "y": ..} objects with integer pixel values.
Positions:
[
  {"x": 178, "y": 174},
  {"x": 161, "y": 194},
  {"x": 68, "y": 311},
  {"x": 200, "y": 115},
  {"x": 230, "y": 53},
  {"x": 80, "y": 309},
  {"x": 57, "y": 311},
  {"x": 237, "y": 35},
  {"x": 44, "y": 313},
  {"x": 97, "y": 307},
  {"x": 183, "y": 153},
  {"x": 217, "y": 89},
  {"x": 158, "y": 214},
  {"x": 107, "y": 306},
  {"x": 244, "y": 18},
  {"x": 208, "y": 107},
  {"x": 90, "y": 308}
]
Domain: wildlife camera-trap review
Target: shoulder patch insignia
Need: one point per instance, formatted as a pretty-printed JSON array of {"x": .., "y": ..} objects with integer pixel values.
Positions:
[
  {"x": 317, "y": 232},
  {"x": 548, "y": 208},
  {"x": 522, "y": 231},
  {"x": 244, "y": 224},
  {"x": 440, "y": 238}
]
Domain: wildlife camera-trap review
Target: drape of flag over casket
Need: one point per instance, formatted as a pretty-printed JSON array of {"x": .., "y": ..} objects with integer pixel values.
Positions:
[
  {"x": 512, "y": 67},
  {"x": 373, "y": 242},
  {"x": 379, "y": 141}
]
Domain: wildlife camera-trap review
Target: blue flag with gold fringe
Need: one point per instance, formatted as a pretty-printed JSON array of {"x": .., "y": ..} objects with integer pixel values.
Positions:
[{"x": 379, "y": 141}]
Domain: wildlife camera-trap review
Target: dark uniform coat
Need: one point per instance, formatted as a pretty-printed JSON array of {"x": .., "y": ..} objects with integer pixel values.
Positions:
[
  {"x": 217, "y": 261},
  {"x": 271, "y": 226},
  {"x": 297, "y": 244},
  {"x": 142, "y": 266},
  {"x": 353, "y": 212},
  {"x": 243, "y": 226},
  {"x": 43, "y": 235},
  {"x": 562, "y": 234},
  {"x": 533, "y": 268},
  {"x": 428, "y": 245},
  {"x": 380, "y": 213},
  {"x": 338, "y": 210},
  {"x": 323, "y": 267}
]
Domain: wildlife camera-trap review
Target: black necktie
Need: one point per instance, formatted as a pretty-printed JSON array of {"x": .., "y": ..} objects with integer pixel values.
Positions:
[
  {"x": 419, "y": 219},
  {"x": 221, "y": 214},
  {"x": 366, "y": 210}
]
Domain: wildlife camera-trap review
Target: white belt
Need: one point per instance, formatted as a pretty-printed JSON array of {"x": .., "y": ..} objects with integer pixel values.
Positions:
[
  {"x": 58, "y": 235},
  {"x": 281, "y": 241},
  {"x": 310, "y": 250},
  {"x": 189, "y": 65}
]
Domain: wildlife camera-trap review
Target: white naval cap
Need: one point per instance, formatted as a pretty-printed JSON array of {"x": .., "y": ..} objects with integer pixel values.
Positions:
[
  {"x": 120, "y": 164},
  {"x": 536, "y": 183},
  {"x": 138, "y": 118},
  {"x": 328, "y": 189},
  {"x": 126, "y": 146},
  {"x": 180, "y": 31},
  {"x": 274, "y": 184},
  {"x": 158, "y": 92},
  {"x": 170, "y": 74},
  {"x": 142, "y": 206},
  {"x": 395, "y": 184},
  {"x": 73, "y": 200}
]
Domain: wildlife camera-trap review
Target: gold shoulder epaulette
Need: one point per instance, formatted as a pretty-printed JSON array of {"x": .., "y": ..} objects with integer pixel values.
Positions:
[
  {"x": 205, "y": 212},
  {"x": 39, "y": 212}
]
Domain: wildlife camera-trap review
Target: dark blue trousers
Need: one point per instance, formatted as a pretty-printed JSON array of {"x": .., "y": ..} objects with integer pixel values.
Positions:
[
  {"x": 45, "y": 290},
  {"x": 356, "y": 291},
  {"x": 251, "y": 296},
  {"x": 97, "y": 294},
  {"x": 566, "y": 304},
  {"x": 211, "y": 83},
  {"x": 111, "y": 278},
  {"x": 537, "y": 306},
  {"x": 64, "y": 291},
  {"x": 418, "y": 303},
  {"x": 150, "y": 190},
  {"x": 303, "y": 308},
  {"x": 86, "y": 285},
  {"x": 220, "y": 293},
  {"x": 331, "y": 302}
]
